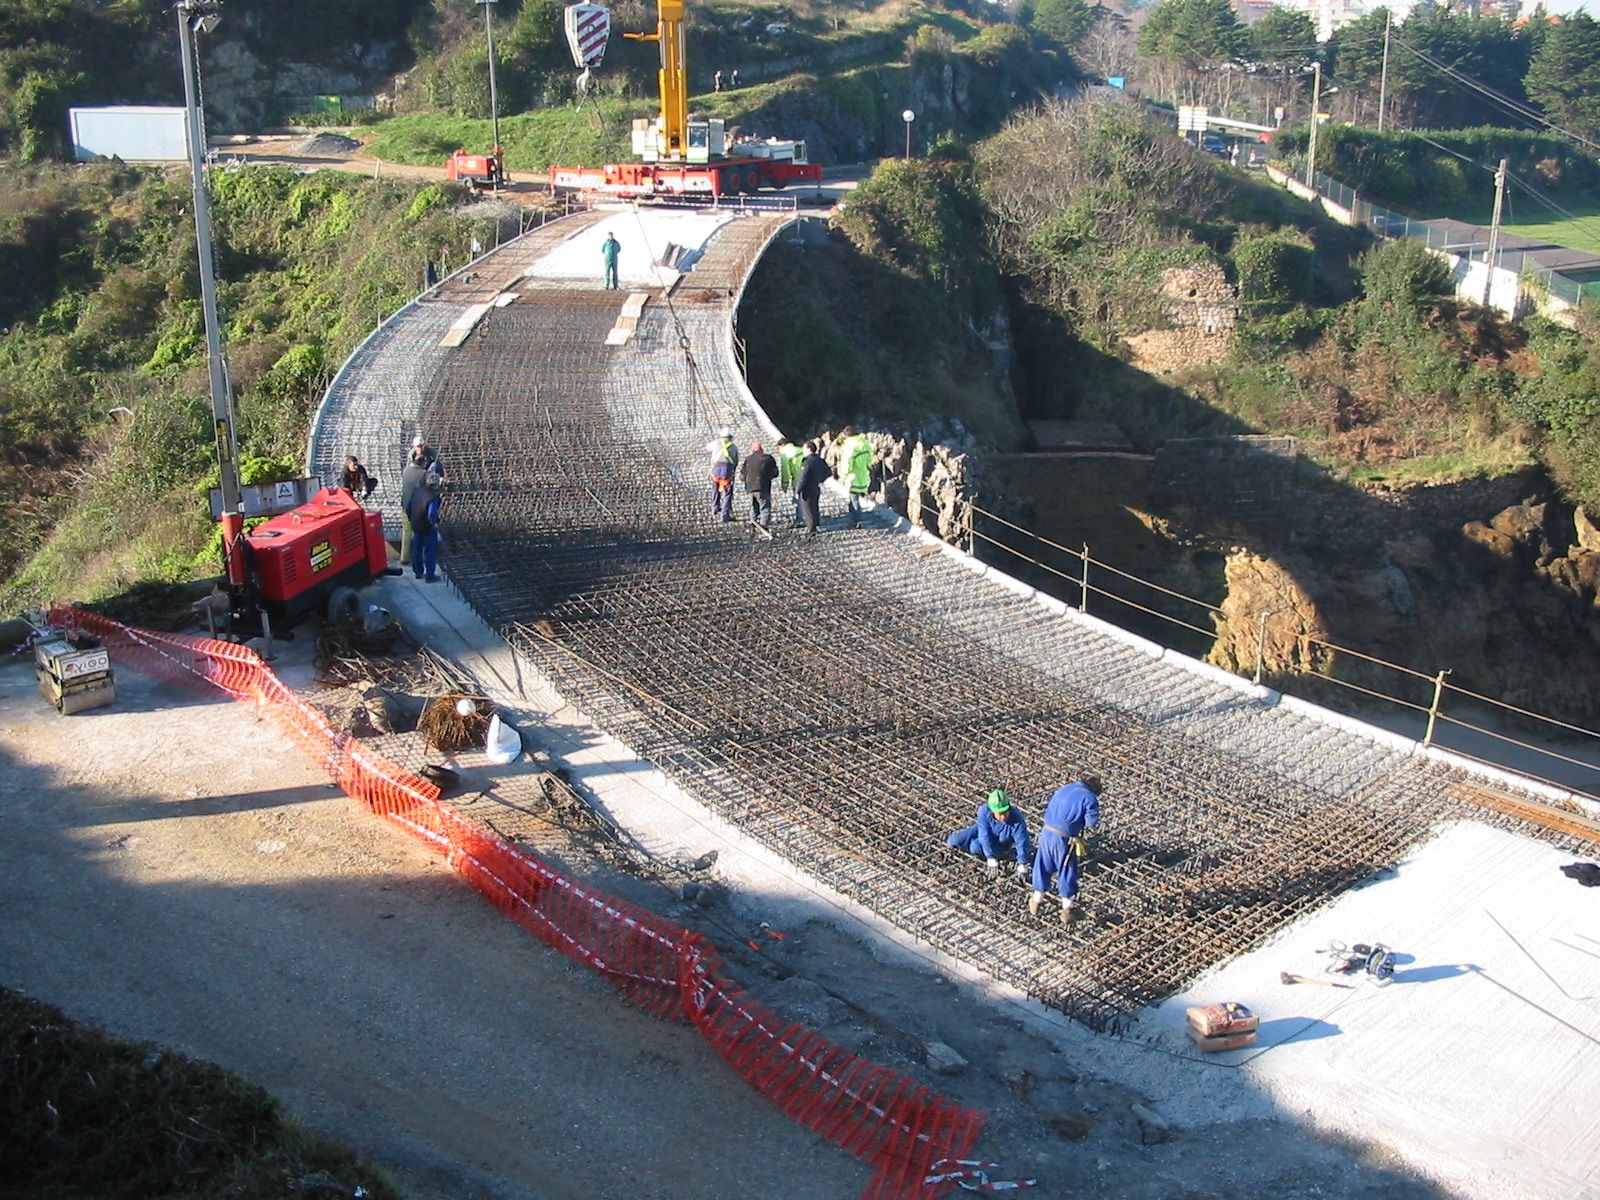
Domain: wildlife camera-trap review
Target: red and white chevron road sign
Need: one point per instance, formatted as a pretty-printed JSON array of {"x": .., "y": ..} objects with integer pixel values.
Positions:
[{"x": 588, "y": 27}]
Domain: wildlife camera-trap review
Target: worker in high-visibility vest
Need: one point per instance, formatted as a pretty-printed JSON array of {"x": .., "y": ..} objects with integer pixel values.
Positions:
[
  {"x": 724, "y": 463},
  {"x": 856, "y": 460},
  {"x": 790, "y": 456},
  {"x": 1072, "y": 812}
]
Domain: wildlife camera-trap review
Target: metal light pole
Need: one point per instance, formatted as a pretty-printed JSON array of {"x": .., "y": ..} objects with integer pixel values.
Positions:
[
  {"x": 202, "y": 16},
  {"x": 908, "y": 116},
  {"x": 494, "y": 100}
]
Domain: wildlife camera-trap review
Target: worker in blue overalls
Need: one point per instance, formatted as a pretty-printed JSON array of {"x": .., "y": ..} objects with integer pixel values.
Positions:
[
  {"x": 997, "y": 824},
  {"x": 1072, "y": 812}
]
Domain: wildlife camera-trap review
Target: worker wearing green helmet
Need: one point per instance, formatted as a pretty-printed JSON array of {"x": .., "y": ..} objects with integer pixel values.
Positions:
[{"x": 997, "y": 823}]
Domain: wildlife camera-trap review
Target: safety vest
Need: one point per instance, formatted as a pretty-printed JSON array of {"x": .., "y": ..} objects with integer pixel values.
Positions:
[
  {"x": 725, "y": 454},
  {"x": 789, "y": 459},
  {"x": 858, "y": 461}
]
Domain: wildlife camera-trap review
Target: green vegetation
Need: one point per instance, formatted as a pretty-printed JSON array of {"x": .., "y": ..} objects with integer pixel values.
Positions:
[
  {"x": 532, "y": 141},
  {"x": 893, "y": 328},
  {"x": 84, "y": 1115},
  {"x": 103, "y": 390},
  {"x": 1581, "y": 231}
]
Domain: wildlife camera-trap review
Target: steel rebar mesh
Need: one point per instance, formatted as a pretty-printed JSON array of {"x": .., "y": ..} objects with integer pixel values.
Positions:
[{"x": 847, "y": 702}]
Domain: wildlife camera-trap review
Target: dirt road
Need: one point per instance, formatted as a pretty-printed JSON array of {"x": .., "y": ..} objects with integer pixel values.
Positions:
[{"x": 173, "y": 870}]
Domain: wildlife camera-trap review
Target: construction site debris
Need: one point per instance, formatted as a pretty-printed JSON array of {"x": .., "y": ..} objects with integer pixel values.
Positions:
[
  {"x": 502, "y": 741},
  {"x": 1226, "y": 1041},
  {"x": 1588, "y": 874},
  {"x": 1153, "y": 1127},
  {"x": 326, "y": 145},
  {"x": 943, "y": 1059},
  {"x": 1217, "y": 1020},
  {"x": 1072, "y": 1126},
  {"x": 442, "y": 777},
  {"x": 446, "y": 728},
  {"x": 1287, "y": 977}
]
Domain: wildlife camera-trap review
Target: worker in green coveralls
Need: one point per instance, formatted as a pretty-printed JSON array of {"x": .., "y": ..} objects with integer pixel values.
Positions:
[
  {"x": 608, "y": 254},
  {"x": 856, "y": 460},
  {"x": 790, "y": 456}
]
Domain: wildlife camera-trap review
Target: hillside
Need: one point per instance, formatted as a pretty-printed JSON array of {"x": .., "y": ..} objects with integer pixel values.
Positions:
[{"x": 1021, "y": 268}]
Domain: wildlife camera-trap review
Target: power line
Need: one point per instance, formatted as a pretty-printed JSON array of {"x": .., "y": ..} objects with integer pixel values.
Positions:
[{"x": 1516, "y": 107}]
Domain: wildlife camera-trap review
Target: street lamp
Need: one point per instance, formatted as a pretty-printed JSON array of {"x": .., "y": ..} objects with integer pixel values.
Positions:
[
  {"x": 908, "y": 116},
  {"x": 202, "y": 16},
  {"x": 494, "y": 102}
]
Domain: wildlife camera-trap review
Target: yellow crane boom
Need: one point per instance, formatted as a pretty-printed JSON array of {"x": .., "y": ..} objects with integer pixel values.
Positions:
[{"x": 673, "y": 78}]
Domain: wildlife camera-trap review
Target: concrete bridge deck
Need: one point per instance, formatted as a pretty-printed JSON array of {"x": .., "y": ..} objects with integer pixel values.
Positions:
[{"x": 847, "y": 702}]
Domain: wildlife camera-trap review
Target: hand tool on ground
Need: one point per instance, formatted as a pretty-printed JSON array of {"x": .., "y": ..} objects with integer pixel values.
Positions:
[
  {"x": 1286, "y": 977},
  {"x": 761, "y": 931}
]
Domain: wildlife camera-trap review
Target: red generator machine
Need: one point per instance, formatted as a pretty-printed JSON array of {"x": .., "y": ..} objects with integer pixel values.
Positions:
[{"x": 297, "y": 561}]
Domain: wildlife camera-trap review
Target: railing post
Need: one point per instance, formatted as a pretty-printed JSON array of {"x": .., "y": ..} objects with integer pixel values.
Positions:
[
  {"x": 1083, "y": 604},
  {"x": 1433, "y": 709},
  {"x": 1261, "y": 649}
]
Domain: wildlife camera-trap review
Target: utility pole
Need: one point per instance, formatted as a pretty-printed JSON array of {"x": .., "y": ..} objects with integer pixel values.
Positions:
[
  {"x": 1383, "y": 77},
  {"x": 1493, "y": 256},
  {"x": 1316, "y": 103}
]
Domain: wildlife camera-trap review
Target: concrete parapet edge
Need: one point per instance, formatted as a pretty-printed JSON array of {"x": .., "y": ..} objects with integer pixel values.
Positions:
[
  {"x": 1216, "y": 674},
  {"x": 1117, "y": 634},
  {"x": 1326, "y": 716},
  {"x": 1493, "y": 774}
]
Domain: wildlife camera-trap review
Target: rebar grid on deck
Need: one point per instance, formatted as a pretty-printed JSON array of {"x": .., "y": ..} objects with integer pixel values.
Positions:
[{"x": 848, "y": 702}]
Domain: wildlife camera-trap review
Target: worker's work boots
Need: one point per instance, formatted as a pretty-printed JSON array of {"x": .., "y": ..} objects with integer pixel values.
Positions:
[
  {"x": 1033, "y": 903},
  {"x": 1069, "y": 913}
]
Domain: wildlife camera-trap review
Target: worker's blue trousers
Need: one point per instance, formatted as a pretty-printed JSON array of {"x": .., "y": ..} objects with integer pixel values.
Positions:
[
  {"x": 722, "y": 491},
  {"x": 1055, "y": 857},
  {"x": 967, "y": 840}
]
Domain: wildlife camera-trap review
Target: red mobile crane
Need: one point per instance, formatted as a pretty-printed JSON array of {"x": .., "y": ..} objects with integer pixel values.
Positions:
[{"x": 678, "y": 156}]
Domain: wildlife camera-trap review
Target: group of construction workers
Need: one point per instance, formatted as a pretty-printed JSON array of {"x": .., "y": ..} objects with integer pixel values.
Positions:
[
  {"x": 1072, "y": 813},
  {"x": 798, "y": 469}
]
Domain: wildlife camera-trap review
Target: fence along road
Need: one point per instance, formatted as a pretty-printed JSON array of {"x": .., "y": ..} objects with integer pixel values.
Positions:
[{"x": 848, "y": 701}]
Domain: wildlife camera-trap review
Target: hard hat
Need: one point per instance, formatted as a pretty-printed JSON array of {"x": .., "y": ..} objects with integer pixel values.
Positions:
[
  {"x": 998, "y": 802},
  {"x": 418, "y": 442},
  {"x": 725, "y": 432},
  {"x": 756, "y": 448}
]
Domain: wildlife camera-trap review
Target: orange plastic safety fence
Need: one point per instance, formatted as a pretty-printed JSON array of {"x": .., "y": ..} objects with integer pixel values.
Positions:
[{"x": 875, "y": 1112}]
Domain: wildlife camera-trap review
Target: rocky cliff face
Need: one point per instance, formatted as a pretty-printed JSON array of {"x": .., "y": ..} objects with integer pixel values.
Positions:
[
  {"x": 927, "y": 483},
  {"x": 1507, "y": 604}
]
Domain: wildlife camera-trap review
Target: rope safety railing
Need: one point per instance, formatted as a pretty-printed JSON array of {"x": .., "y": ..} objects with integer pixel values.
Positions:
[
  {"x": 896, "y": 1125},
  {"x": 1310, "y": 646}
]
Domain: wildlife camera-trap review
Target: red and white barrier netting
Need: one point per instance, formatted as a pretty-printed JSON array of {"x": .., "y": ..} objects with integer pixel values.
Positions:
[{"x": 879, "y": 1114}]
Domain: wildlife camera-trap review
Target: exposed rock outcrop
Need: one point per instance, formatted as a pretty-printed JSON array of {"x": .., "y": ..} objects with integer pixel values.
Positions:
[
  {"x": 928, "y": 483},
  {"x": 1508, "y": 606}
]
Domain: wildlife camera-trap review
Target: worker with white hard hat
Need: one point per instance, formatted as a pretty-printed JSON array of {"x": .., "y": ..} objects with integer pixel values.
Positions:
[{"x": 724, "y": 463}]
